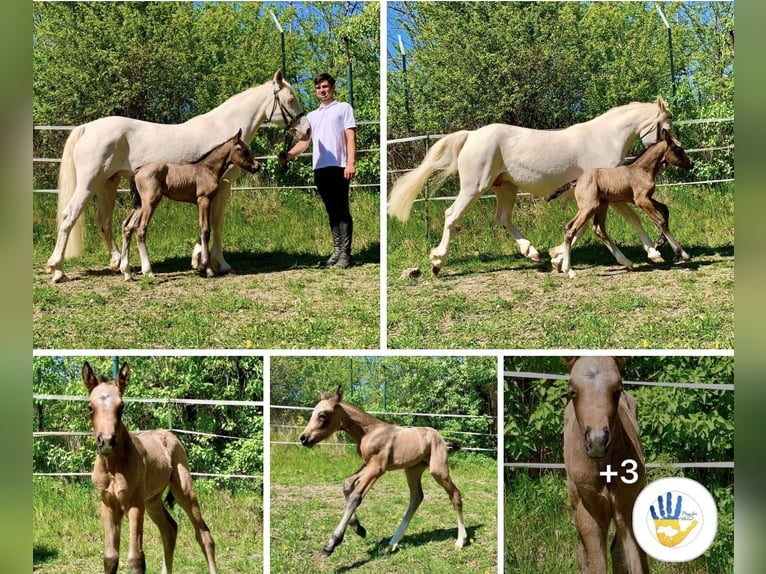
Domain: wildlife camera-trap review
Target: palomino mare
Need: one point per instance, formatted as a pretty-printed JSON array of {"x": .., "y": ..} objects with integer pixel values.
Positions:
[
  {"x": 507, "y": 158},
  {"x": 98, "y": 153},
  {"x": 383, "y": 447},
  {"x": 600, "y": 437},
  {"x": 131, "y": 473},
  {"x": 195, "y": 182},
  {"x": 597, "y": 188}
]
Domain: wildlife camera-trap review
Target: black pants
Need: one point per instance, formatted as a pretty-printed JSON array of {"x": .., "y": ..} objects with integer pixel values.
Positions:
[{"x": 333, "y": 189}]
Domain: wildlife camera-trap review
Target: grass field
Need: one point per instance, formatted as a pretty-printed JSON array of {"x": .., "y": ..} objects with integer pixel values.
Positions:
[
  {"x": 307, "y": 504},
  {"x": 540, "y": 536},
  {"x": 68, "y": 537},
  {"x": 278, "y": 298},
  {"x": 488, "y": 296}
]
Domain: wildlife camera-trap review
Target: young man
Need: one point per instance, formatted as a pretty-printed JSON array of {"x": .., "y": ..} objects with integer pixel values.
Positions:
[{"x": 333, "y": 137}]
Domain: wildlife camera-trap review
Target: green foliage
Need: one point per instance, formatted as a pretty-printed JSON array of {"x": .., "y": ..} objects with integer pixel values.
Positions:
[
  {"x": 443, "y": 385},
  {"x": 219, "y": 378}
]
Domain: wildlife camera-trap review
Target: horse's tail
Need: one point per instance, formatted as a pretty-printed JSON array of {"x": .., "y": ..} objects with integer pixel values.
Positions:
[
  {"x": 442, "y": 157},
  {"x": 67, "y": 185},
  {"x": 452, "y": 446}
]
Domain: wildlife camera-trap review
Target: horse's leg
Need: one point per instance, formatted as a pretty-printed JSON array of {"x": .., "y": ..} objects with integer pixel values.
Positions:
[
  {"x": 348, "y": 488},
  {"x": 183, "y": 491},
  {"x": 654, "y": 209},
  {"x": 168, "y": 530},
  {"x": 599, "y": 228},
  {"x": 111, "y": 516},
  {"x": 366, "y": 478},
  {"x": 440, "y": 471},
  {"x": 414, "y": 474},
  {"x": 469, "y": 193},
  {"x": 217, "y": 261},
  {"x": 106, "y": 197},
  {"x": 591, "y": 553},
  {"x": 505, "y": 192},
  {"x": 136, "y": 558},
  {"x": 204, "y": 206},
  {"x": 630, "y": 216}
]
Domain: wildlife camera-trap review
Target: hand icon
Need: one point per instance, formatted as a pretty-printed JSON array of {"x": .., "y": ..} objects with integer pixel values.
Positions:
[{"x": 666, "y": 525}]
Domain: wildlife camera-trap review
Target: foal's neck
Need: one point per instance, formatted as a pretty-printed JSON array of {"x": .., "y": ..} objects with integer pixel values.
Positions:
[
  {"x": 650, "y": 160},
  {"x": 356, "y": 422}
]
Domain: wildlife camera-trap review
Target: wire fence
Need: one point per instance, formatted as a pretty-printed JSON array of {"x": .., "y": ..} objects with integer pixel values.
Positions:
[
  {"x": 167, "y": 402},
  {"x": 507, "y": 374}
]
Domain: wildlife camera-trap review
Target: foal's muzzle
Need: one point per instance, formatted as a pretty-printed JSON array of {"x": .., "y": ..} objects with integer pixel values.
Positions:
[
  {"x": 106, "y": 443},
  {"x": 597, "y": 442},
  {"x": 305, "y": 441}
]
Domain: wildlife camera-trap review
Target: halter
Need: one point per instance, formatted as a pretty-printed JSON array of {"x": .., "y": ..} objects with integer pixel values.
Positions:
[
  {"x": 287, "y": 117},
  {"x": 657, "y": 126}
]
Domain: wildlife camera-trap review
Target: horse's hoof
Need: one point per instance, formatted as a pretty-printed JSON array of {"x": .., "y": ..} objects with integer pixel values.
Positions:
[
  {"x": 435, "y": 270},
  {"x": 393, "y": 548},
  {"x": 571, "y": 273},
  {"x": 629, "y": 265},
  {"x": 327, "y": 551},
  {"x": 59, "y": 277},
  {"x": 533, "y": 255},
  {"x": 209, "y": 272},
  {"x": 655, "y": 256},
  {"x": 556, "y": 263},
  {"x": 126, "y": 276}
]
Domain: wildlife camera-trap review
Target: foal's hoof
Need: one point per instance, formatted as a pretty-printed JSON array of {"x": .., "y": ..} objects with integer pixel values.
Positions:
[
  {"x": 571, "y": 273},
  {"x": 393, "y": 548},
  {"x": 556, "y": 262},
  {"x": 209, "y": 272},
  {"x": 327, "y": 550},
  {"x": 360, "y": 531},
  {"x": 435, "y": 270},
  {"x": 655, "y": 256}
]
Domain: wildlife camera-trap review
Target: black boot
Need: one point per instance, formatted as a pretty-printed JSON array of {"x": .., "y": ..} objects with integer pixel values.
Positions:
[
  {"x": 336, "y": 248},
  {"x": 346, "y": 230}
]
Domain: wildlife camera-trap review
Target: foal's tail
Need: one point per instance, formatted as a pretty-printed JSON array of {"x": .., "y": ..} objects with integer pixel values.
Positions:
[
  {"x": 134, "y": 195},
  {"x": 562, "y": 190},
  {"x": 67, "y": 186},
  {"x": 442, "y": 157}
]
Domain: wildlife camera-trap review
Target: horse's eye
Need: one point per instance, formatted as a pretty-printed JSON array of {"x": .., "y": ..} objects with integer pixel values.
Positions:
[
  {"x": 617, "y": 394},
  {"x": 90, "y": 408},
  {"x": 572, "y": 394},
  {"x": 120, "y": 409}
]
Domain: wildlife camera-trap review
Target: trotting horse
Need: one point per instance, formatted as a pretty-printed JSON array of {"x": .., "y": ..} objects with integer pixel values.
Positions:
[
  {"x": 195, "y": 182},
  {"x": 507, "y": 158},
  {"x": 131, "y": 473},
  {"x": 97, "y": 153},
  {"x": 383, "y": 447},
  {"x": 597, "y": 188},
  {"x": 604, "y": 464}
]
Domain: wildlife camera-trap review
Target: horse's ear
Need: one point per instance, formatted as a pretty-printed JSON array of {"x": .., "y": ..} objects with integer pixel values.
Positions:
[
  {"x": 123, "y": 377},
  {"x": 662, "y": 104},
  {"x": 619, "y": 361},
  {"x": 569, "y": 361},
  {"x": 89, "y": 377},
  {"x": 279, "y": 79}
]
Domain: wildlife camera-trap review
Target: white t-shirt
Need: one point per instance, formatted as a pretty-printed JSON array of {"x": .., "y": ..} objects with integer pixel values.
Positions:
[{"x": 328, "y": 138}]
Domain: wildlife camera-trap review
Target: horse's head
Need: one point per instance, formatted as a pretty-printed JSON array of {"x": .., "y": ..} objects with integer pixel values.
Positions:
[
  {"x": 662, "y": 119},
  {"x": 325, "y": 419},
  {"x": 106, "y": 406},
  {"x": 675, "y": 154},
  {"x": 286, "y": 110},
  {"x": 241, "y": 155},
  {"x": 595, "y": 389}
]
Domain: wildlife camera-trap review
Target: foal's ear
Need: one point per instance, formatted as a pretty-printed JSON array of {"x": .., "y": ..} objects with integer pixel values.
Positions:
[
  {"x": 238, "y": 135},
  {"x": 569, "y": 361},
  {"x": 89, "y": 377},
  {"x": 619, "y": 361},
  {"x": 339, "y": 393},
  {"x": 123, "y": 377}
]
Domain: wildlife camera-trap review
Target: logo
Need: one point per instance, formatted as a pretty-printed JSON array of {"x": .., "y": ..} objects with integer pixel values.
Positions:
[{"x": 675, "y": 519}]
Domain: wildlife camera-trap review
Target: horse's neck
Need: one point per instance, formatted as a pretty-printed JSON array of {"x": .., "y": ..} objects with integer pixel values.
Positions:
[
  {"x": 628, "y": 123},
  {"x": 248, "y": 110},
  {"x": 357, "y": 423}
]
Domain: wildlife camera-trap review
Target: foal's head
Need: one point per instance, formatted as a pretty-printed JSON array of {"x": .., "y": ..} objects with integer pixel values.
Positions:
[
  {"x": 674, "y": 154},
  {"x": 240, "y": 154},
  {"x": 325, "y": 419},
  {"x": 595, "y": 389},
  {"x": 106, "y": 406}
]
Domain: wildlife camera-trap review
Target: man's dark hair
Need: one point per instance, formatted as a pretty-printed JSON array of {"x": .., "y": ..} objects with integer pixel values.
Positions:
[{"x": 324, "y": 78}]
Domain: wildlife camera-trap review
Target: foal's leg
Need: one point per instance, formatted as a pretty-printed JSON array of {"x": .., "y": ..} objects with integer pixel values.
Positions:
[
  {"x": 630, "y": 216},
  {"x": 414, "y": 475},
  {"x": 128, "y": 227},
  {"x": 136, "y": 558},
  {"x": 148, "y": 207},
  {"x": 366, "y": 478},
  {"x": 654, "y": 209},
  {"x": 168, "y": 530},
  {"x": 592, "y": 531},
  {"x": 217, "y": 261},
  {"x": 627, "y": 555},
  {"x": 348, "y": 488},
  {"x": 204, "y": 206},
  {"x": 574, "y": 229},
  {"x": 599, "y": 228},
  {"x": 111, "y": 516},
  {"x": 505, "y": 193},
  {"x": 440, "y": 471},
  {"x": 183, "y": 491}
]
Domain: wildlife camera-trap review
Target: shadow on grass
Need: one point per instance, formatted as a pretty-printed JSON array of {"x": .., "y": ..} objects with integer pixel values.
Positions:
[
  {"x": 380, "y": 551},
  {"x": 43, "y": 554}
]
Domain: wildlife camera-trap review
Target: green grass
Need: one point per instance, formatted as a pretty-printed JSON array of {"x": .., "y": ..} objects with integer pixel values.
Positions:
[
  {"x": 307, "y": 504},
  {"x": 488, "y": 296},
  {"x": 68, "y": 536},
  {"x": 278, "y": 298},
  {"x": 540, "y": 536}
]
